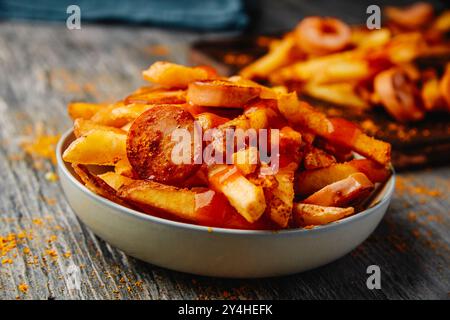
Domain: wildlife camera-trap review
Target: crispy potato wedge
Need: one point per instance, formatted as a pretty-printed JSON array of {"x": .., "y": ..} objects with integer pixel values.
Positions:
[
  {"x": 247, "y": 198},
  {"x": 118, "y": 115},
  {"x": 173, "y": 75},
  {"x": 314, "y": 215},
  {"x": 310, "y": 181},
  {"x": 342, "y": 193},
  {"x": 82, "y": 126},
  {"x": 84, "y": 110},
  {"x": 221, "y": 93},
  {"x": 338, "y": 131},
  {"x": 277, "y": 57},
  {"x": 98, "y": 146}
]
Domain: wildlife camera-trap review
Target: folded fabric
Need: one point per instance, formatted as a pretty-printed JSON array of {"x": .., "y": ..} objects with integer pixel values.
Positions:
[{"x": 194, "y": 14}]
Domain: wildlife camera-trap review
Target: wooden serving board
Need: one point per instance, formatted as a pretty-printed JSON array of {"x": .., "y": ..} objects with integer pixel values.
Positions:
[{"x": 421, "y": 144}]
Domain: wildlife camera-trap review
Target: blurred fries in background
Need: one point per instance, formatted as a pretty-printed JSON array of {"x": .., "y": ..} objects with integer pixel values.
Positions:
[{"x": 352, "y": 66}]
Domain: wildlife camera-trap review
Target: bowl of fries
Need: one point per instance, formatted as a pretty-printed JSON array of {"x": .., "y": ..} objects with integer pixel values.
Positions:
[{"x": 223, "y": 176}]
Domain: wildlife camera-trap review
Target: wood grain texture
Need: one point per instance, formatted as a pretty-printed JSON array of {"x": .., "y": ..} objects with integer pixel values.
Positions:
[{"x": 43, "y": 67}]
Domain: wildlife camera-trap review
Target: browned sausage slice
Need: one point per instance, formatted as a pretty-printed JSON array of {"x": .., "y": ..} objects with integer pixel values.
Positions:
[{"x": 150, "y": 145}]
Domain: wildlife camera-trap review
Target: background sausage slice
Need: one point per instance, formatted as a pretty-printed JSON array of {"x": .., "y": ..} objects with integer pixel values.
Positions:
[{"x": 149, "y": 144}]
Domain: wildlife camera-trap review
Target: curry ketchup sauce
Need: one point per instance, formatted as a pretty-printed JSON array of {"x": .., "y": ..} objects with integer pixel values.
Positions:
[
  {"x": 214, "y": 210},
  {"x": 342, "y": 132}
]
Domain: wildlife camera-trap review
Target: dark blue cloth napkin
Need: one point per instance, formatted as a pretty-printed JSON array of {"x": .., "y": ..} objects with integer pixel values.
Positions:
[{"x": 194, "y": 14}]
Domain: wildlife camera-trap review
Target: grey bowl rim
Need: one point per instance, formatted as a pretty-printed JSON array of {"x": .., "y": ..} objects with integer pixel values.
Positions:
[{"x": 62, "y": 166}]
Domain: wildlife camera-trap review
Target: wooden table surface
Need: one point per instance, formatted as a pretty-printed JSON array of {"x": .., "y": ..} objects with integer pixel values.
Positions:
[{"x": 45, "y": 66}]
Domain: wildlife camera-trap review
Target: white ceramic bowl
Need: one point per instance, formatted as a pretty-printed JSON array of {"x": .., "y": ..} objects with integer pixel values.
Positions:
[{"x": 217, "y": 252}]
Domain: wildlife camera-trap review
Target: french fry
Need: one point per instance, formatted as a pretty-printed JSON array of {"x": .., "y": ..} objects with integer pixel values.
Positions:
[
  {"x": 316, "y": 158},
  {"x": 173, "y": 75},
  {"x": 310, "y": 181},
  {"x": 444, "y": 86},
  {"x": 179, "y": 202},
  {"x": 247, "y": 198},
  {"x": 98, "y": 146},
  {"x": 314, "y": 215},
  {"x": 187, "y": 205},
  {"x": 208, "y": 120},
  {"x": 97, "y": 185},
  {"x": 335, "y": 130},
  {"x": 280, "y": 199},
  {"x": 368, "y": 39},
  {"x": 123, "y": 167},
  {"x": 342, "y": 193},
  {"x": 431, "y": 95},
  {"x": 118, "y": 115},
  {"x": 343, "y": 71},
  {"x": 277, "y": 57},
  {"x": 160, "y": 96},
  {"x": 82, "y": 126},
  {"x": 84, "y": 110},
  {"x": 115, "y": 180},
  {"x": 308, "y": 69},
  {"x": 246, "y": 160},
  {"x": 342, "y": 94}
]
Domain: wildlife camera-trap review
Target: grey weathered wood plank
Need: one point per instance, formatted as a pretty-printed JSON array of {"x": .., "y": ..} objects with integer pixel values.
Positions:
[{"x": 43, "y": 67}]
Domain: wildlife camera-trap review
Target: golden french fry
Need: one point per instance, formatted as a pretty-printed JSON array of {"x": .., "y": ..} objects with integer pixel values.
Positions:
[
  {"x": 96, "y": 184},
  {"x": 246, "y": 160},
  {"x": 277, "y": 57},
  {"x": 84, "y": 110},
  {"x": 342, "y": 94},
  {"x": 82, "y": 126},
  {"x": 316, "y": 158},
  {"x": 179, "y": 202},
  {"x": 367, "y": 39},
  {"x": 308, "y": 69},
  {"x": 173, "y": 75},
  {"x": 247, "y": 198},
  {"x": 160, "y": 96},
  {"x": 119, "y": 114},
  {"x": 98, "y": 146},
  {"x": 280, "y": 198},
  {"x": 123, "y": 167}
]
